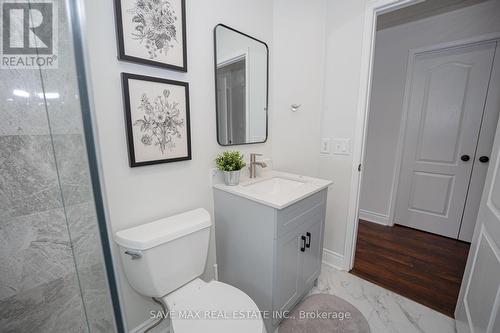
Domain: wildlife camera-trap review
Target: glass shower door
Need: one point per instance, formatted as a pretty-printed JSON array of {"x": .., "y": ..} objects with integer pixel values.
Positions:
[{"x": 56, "y": 273}]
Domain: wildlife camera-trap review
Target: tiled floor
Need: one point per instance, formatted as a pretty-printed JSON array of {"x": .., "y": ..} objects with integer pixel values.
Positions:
[{"x": 385, "y": 311}]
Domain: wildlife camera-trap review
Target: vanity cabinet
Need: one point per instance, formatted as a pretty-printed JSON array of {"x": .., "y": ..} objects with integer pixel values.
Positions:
[
  {"x": 273, "y": 255},
  {"x": 298, "y": 263}
]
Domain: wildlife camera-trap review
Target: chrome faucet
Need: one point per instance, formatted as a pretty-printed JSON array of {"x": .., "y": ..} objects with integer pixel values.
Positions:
[{"x": 254, "y": 163}]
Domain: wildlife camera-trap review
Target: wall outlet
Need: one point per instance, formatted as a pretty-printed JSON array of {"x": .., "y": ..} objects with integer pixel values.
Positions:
[
  {"x": 325, "y": 146},
  {"x": 342, "y": 146}
]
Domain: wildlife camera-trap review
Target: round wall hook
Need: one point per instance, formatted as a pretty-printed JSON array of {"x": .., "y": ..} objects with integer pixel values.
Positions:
[{"x": 295, "y": 107}]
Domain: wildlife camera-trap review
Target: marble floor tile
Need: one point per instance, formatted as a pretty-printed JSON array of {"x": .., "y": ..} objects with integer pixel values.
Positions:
[{"x": 385, "y": 311}]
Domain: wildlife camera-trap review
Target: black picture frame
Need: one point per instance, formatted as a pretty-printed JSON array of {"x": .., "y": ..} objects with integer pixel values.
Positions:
[
  {"x": 122, "y": 55},
  {"x": 129, "y": 124},
  {"x": 216, "y": 92}
]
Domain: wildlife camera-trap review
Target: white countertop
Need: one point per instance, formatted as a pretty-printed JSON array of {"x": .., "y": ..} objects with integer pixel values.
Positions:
[{"x": 295, "y": 188}]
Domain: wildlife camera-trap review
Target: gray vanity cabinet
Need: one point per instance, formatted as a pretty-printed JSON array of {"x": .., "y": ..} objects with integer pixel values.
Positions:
[
  {"x": 272, "y": 255},
  {"x": 288, "y": 272},
  {"x": 311, "y": 266}
]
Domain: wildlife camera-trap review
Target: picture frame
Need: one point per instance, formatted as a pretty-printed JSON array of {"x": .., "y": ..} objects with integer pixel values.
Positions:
[
  {"x": 140, "y": 42},
  {"x": 157, "y": 119}
]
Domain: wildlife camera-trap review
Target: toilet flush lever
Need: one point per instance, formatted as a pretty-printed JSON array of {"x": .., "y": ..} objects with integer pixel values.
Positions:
[{"x": 134, "y": 254}]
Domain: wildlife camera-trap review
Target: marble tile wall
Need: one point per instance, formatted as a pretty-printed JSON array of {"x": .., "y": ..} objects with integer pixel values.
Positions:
[
  {"x": 53, "y": 277},
  {"x": 65, "y": 118},
  {"x": 39, "y": 289}
]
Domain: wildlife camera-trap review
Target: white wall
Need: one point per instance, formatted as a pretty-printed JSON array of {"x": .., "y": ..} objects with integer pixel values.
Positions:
[
  {"x": 139, "y": 195},
  {"x": 315, "y": 50},
  {"x": 317, "y": 65},
  {"x": 299, "y": 50},
  {"x": 391, "y": 56},
  {"x": 344, "y": 34}
]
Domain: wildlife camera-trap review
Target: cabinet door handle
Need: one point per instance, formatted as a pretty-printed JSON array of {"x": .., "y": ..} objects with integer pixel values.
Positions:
[
  {"x": 308, "y": 244},
  {"x": 303, "y": 247}
]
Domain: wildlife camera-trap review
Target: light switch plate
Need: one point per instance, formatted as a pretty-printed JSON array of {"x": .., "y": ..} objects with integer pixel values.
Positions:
[
  {"x": 325, "y": 146},
  {"x": 342, "y": 146}
]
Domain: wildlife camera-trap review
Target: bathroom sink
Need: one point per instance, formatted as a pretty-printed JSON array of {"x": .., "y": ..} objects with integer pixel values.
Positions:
[
  {"x": 274, "y": 185},
  {"x": 276, "y": 189}
]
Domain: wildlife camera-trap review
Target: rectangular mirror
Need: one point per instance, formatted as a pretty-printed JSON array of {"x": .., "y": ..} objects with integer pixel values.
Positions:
[{"x": 241, "y": 84}]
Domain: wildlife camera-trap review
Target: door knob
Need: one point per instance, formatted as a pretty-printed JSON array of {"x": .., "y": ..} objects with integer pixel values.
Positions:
[
  {"x": 484, "y": 159},
  {"x": 465, "y": 158}
]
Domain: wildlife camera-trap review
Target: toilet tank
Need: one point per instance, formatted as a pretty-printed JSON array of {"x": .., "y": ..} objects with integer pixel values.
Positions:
[{"x": 161, "y": 256}]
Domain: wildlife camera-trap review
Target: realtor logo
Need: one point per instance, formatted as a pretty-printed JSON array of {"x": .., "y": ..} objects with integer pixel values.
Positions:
[{"x": 29, "y": 34}]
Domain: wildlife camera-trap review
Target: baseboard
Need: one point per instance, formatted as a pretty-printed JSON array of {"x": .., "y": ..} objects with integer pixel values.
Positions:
[
  {"x": 373, "y": 217},
  {"x": 143, "y": 326},
  {"x": 333, "y": 259}
]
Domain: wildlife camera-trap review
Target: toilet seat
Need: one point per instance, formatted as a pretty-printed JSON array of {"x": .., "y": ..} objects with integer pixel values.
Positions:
[{"x": 212, "y": 307}]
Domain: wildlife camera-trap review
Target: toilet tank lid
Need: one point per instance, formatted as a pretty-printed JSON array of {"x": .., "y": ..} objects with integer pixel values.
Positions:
[{"x": 155, "y": 233}]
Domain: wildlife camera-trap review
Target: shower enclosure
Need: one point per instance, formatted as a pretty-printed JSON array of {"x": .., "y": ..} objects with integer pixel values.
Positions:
[{"x": 56, "y": 273}]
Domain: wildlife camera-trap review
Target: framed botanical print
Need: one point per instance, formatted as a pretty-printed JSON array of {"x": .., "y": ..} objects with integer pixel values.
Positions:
[
  {"x": 157, "y": 119},
  {"x": 152, "y": 32}
]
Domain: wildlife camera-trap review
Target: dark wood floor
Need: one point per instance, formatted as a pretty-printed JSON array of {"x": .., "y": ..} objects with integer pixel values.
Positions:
[{"x": 424, "y": 267}]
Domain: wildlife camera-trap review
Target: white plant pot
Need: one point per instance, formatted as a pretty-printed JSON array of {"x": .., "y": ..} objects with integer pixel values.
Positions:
[{"x": 231, "y": 178}]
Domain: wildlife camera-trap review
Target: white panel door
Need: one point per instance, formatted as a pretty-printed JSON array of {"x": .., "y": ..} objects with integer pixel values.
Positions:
[
  {"x": 483, "y": 152},
  {"x": 446, "y": 103},
  {"x": 478, "y": 303}
]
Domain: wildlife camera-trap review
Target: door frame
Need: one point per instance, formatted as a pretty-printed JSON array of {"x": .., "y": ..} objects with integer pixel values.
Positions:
[
  {"x": 412, "y": 54},
  {"x": 372, "y": 10},
  {"x": 243, "y": 54}
]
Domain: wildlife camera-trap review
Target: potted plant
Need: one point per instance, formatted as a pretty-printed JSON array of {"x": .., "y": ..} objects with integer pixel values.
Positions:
[{"x": 230, "y": 163}]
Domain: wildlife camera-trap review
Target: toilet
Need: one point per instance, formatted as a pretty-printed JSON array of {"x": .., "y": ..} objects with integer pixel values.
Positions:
[{"x": 164, "y": 259}]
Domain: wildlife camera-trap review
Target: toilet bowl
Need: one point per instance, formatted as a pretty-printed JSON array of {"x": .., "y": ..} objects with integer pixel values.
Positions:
[
  {"x": 164, "y": 259},
  {"x": 212, "y": 307}
]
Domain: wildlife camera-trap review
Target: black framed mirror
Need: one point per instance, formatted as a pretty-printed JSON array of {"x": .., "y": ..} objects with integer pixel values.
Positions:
[{"x": 241, "y": 87}]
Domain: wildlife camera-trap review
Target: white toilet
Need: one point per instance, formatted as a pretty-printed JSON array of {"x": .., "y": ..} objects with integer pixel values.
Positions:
[{"x": 164, "y": 258}]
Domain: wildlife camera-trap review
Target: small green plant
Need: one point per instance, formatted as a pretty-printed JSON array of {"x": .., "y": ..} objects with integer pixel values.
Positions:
[{"x": 230, "y": 161}]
